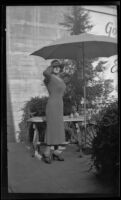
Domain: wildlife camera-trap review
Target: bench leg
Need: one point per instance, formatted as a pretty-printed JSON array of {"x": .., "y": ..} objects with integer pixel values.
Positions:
[{"x": 79, "y": 139}]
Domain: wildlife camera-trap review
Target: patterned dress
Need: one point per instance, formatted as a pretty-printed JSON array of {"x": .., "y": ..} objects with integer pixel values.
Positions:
[{"x": 55, "y": 133}]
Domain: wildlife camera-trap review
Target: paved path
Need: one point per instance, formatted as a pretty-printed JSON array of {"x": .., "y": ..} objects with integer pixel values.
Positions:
[{"x": 29, "y": 175}]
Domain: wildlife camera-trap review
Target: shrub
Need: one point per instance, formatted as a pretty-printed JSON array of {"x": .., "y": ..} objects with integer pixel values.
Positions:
[
  {"x": 105, "y": 145},
  {"x": 34, "y": 107}
]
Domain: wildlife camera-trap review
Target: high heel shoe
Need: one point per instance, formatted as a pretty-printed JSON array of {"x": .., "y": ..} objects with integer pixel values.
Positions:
[
  {"x": 47, "y": 158},
  {"x": 58, "y": 157}
]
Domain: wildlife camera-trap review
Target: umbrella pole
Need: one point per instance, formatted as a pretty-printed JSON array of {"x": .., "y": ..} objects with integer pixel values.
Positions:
[{"x": 84, "y": 91}]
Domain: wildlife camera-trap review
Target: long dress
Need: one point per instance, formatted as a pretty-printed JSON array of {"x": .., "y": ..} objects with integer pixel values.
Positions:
[{"x": 55, "y": 133}]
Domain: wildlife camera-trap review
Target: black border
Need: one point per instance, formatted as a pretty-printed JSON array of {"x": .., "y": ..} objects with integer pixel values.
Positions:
[
  {"x": 54, "y": 2},
  {"x": 4, "y": 172}
]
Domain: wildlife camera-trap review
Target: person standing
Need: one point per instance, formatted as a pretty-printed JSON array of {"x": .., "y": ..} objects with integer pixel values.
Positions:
[{"x": 55, "y": 133}]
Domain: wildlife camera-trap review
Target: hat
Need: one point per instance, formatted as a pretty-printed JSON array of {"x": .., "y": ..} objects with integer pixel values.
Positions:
[{"x": 56, "y": 63}]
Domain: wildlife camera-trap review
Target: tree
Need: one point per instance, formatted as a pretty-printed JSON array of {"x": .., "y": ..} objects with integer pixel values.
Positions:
[
  {"x": 106, "y": 83},
  {"x": 108, "y": 87},
  {"x": 78, "y": 22}
]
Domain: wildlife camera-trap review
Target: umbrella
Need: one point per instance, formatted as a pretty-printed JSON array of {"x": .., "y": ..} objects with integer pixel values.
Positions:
[
  {"x": 76, "y": 46},
  {"x": 79, "y": 47}
]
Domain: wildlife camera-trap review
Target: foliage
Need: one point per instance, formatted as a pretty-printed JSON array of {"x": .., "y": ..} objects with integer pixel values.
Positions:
[
  {"x": 34, "y": 107},
  {"x": 108, "y": 87},
  {"x": 107, "y": 84},
  {"x": 105, "y": 145},
  {"x": 67, "y": 101},
  {"x": 100, "y": 67},
  {"x": 78, "y": 22}
]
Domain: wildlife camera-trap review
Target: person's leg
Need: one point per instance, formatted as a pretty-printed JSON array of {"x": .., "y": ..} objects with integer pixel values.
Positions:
[
  {"x": 57, "y": 154},
  {"x": 47, "y": 155},
  {"x": 37, "y": 155},
  {"x": 47, "y": 150}
]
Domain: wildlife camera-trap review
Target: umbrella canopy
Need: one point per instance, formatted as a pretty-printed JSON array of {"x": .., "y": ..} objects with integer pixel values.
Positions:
[{"x": 77, "y": 46}]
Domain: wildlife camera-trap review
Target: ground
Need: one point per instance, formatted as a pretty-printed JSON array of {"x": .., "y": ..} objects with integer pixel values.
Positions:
[{"x": 30, "y": 175}]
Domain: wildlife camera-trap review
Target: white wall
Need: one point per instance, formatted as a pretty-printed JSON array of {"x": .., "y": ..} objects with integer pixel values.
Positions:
[{"x": 28, "y": 29}]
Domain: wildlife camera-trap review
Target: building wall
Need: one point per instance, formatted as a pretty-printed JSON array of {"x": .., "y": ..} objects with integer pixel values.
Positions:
[{"x": 29, "y": 28}]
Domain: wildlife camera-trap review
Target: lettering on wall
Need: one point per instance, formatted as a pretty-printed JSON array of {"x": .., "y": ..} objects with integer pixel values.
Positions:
[
  {"x": 114, "y": 67},
  {"x": 110, "y": 29}
]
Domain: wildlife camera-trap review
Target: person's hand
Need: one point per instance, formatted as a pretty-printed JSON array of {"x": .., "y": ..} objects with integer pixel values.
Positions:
[{"x": 48, "y": 71}]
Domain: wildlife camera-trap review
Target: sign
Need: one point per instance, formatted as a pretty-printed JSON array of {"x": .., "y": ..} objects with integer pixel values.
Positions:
[
  {"x": 111, "y": 29},
  {"x": 114, "y": 67},
  {"x": 104, "y": 24},
  {"x": 110, "y": 72}
]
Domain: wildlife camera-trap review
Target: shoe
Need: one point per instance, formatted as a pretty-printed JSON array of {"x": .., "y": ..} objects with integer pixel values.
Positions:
[
  {"x": 37, "y": 155},
  {"x": 33, "y": 155},
  {"x": 58, "y": 157},
  {"x": 47, "y": 158}
]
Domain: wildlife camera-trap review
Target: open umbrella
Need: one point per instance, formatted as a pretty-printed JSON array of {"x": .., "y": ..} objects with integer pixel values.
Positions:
[
  {"x": 76, "y": 46},
  {"x": 79, "y": 47}
]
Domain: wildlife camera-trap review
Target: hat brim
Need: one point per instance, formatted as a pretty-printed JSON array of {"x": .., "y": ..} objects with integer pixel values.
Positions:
[{"x": 59, "y": 65}]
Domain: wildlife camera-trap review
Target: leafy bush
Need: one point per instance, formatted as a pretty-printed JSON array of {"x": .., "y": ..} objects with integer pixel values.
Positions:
[
  {"x": 67, "y": 104},
  {"x": 34, "y": 107},
  {"x": 105, "y": 145}
]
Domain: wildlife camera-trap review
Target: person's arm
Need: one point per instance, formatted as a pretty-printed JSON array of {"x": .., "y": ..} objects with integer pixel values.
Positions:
[{"x": 48, "y": 72}]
